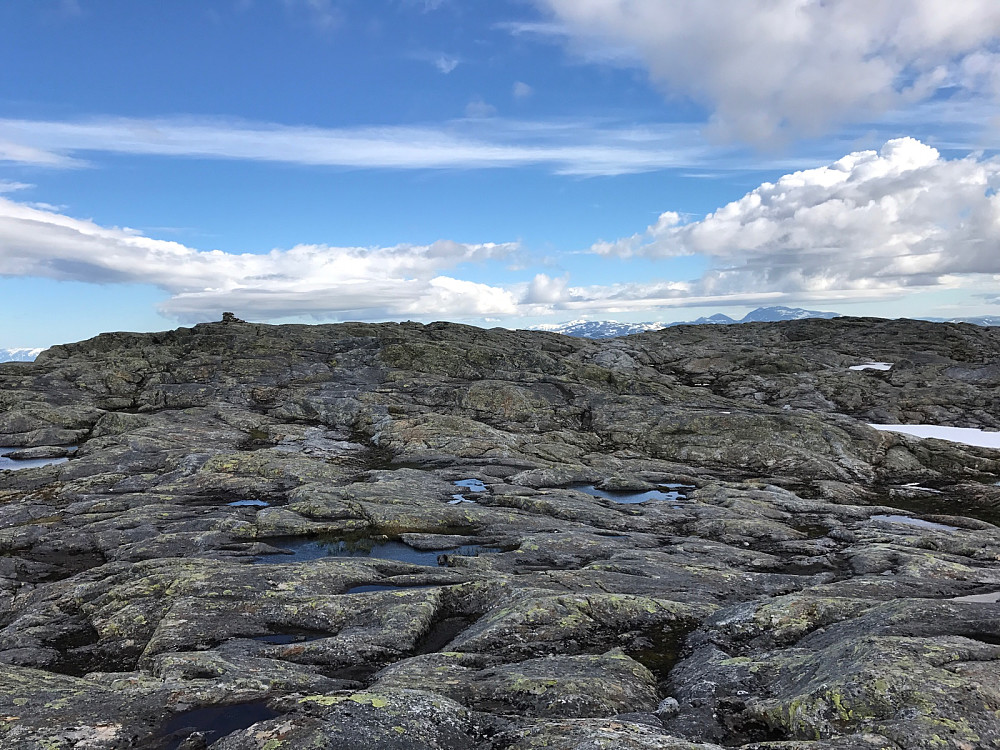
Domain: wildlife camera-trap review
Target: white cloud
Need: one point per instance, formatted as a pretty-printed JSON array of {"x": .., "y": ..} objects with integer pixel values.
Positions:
[
  {"x": 445, "y": 64},
  {"x": 773, "y": 68},
  {"x": 477, "y": 109},
  {"x": 522, "y": 90},
  {"x": 872, "y": 222},
  {"x": 544, "y": 290},
  {"x": 20, "y": 153},
  {"x": 579, "y": 147},
  {"x": 331, "y": 282},
  {"x": 9, "y": 186},
  {"x": 321, "y": 13}
]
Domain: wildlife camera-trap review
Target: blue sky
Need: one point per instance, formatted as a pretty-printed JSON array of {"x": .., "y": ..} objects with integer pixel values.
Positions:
[{"x": 500, "y": 163}]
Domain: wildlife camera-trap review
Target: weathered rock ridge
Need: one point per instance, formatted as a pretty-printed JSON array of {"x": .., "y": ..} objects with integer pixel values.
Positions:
[{"x": 439, "y": 537}]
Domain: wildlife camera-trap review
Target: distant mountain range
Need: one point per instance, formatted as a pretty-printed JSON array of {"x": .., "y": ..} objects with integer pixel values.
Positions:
[
  {"x": 606, "y": 329},
  {"x": 979, "y": 320},
  {"x": 19, "y": 355}
]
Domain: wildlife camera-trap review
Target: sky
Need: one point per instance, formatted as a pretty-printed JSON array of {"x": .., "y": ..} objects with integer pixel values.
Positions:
[{"x": 495, "y": 162}]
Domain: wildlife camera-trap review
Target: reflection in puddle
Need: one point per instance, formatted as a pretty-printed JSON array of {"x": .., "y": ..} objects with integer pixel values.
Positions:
[
  {"x": 670, "y": 492},
  {"x": 915, "y": 487},
  {"x": 911, "y": 521},
  {"x": 388, "y": 587},
  {"x": 441, "y": 634},
  {"x": 883, "y": 366},
  {"x": 216, "y": 722},
  {"x": 472, "y": 485},
  {"x": 249, "y": 504},
  {"x": 318, "y": 548},
  {"x": 964, "y": 435},
  {"x": 13, "y": 464},
  {"x": 284, "y": 639},
  {"x": 979, "y": 598}
]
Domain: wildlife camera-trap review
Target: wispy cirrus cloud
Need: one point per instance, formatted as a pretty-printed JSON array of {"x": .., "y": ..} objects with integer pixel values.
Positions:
[
  {"x": 10, "y": 186},
  {"x": 571, "y": 146},
  {"x": 576, "y": 147}
]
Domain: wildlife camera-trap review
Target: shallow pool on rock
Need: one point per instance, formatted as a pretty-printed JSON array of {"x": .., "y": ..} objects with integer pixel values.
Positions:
[
  {"x": 911, "y": 521},
  {"x": 30, "y": 463},
  {"x": 668, "y": 492},
  {"x": 284, "y": 639},
  {"x": 216, "y": 722},
  {"x": 302, "y": 550},
  {"x": 470, "y": 485}
]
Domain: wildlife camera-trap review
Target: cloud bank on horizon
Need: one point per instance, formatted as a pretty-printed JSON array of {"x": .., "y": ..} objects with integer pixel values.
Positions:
[{"x": 872, "y": 224}]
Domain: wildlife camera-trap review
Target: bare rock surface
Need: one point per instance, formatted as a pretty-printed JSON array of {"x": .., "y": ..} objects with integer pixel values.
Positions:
[{"x": 414, "y": 537}]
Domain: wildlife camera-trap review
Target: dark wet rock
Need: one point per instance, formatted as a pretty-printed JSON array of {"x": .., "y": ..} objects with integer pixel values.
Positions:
[{"x": 252, "y": 541}]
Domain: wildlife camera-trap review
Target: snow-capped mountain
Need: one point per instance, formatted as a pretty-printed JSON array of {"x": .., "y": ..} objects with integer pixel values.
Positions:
[
  {"x": 19, "y": 355},
  {"x": 979, "y": 320},
  {"x": 606, "y": 329},
  {"x": 598, "y": 329},
  {"x": 712, "y": 320},
  {"x": 778, "y": 313}
]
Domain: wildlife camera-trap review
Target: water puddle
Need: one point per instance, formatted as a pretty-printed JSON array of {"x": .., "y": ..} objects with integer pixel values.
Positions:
[
  {"x": 911, "y": 521},
  {"x": 303, "y": 550},
  {"x": 471, "y": 485},
  {"x": 915, "y": 487},
  {"x": 441, "y": 634},
  {"x": 249, "y": 504},
  {"x": 216, "y": 722},
  {"x": 979, "y": 598},
  {"x": 811, "y": 530},
  {"x": 389, "y": 587},
  {"x": 933, "y": 504},
  {"x": 658, "y": 652},
  {"x": 14, "y": 464},
  {"x": 883, "y": 366},
  {"x": 668, "y": 492},
  {"x": 290, "y": 637},
  {"x": 965, "y": 435}
]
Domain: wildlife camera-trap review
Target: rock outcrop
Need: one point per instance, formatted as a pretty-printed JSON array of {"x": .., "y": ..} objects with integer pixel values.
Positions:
[{"x": 432, "y": 537}]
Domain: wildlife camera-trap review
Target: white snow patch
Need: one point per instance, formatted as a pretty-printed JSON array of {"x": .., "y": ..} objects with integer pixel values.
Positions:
[
  {"x": 873, "y": 366},
  {"x": 965, "y": 435}
]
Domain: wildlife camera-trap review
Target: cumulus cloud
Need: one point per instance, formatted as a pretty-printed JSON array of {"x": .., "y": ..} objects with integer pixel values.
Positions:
[
  {"x": 331, "y": 282},
  {"x": 874, "y": 222},
  {"x": 522, "y": 90},
  {"x": 544, "y": 290},
  {"x": 773, "y": 68}
]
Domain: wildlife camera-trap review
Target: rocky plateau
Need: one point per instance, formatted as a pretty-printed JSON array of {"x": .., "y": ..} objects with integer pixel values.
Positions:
[{"x": 438, "y": 537}]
